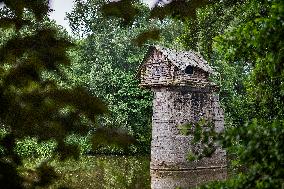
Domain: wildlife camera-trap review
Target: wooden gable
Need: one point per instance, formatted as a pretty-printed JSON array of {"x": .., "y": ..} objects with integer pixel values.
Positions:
[{"x": 165, "y": 67}]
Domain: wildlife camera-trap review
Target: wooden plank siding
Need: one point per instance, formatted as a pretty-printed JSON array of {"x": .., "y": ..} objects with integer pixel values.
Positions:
[{"x": 159, "y": 71}]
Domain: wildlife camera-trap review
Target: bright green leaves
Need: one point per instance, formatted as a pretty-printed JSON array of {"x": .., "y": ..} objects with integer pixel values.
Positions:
[
  {"x": 185, "y": 129},
  {"x": 203, "y": 138},
  {"x": 33, "y": 148},
  {"x": 191, "y": 156}
]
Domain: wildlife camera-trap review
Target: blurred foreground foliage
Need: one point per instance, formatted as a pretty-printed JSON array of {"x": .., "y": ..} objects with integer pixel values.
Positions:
[{"x": 31, "y": 104}]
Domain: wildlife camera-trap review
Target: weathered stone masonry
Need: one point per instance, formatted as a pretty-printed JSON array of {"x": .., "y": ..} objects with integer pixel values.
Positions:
[{"x": 182, "y": 94}]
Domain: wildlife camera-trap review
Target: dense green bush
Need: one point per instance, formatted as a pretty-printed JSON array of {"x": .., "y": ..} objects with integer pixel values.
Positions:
[
  {"x": 32, "y": 148},
  {"x": 85, "y": 145}
]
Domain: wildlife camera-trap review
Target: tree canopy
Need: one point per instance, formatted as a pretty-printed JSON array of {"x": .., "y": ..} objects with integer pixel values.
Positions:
[
  {"x": 109, "y": 56},
  {"x": 32, "y": 105}
]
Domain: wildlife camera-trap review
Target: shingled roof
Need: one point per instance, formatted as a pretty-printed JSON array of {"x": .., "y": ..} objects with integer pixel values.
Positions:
[{"x": 182, "y": 59}]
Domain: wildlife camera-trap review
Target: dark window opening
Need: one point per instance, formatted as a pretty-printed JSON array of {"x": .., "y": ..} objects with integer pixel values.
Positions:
[{"x": 189, "y": 70}]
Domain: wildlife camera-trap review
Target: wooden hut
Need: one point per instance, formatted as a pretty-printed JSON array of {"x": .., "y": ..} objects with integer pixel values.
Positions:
[{"x": 166, "y": 67}]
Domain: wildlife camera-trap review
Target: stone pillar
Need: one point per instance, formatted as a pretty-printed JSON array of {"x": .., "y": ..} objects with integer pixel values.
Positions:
[{"x": 178, "y": 105}]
